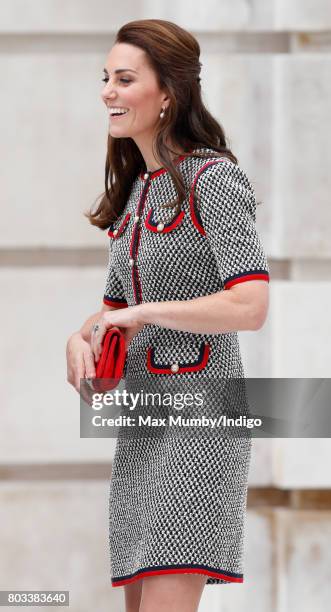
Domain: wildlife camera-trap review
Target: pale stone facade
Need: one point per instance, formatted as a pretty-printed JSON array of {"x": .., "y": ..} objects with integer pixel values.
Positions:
[{"x": 266, "y": 77}]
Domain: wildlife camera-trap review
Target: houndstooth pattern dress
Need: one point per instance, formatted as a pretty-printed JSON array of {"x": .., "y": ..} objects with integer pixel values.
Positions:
[{"x": 179, "y": 505}]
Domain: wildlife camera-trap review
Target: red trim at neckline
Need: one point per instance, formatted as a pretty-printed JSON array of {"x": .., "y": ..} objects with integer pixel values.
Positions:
[{"x": 153, "y": 174}]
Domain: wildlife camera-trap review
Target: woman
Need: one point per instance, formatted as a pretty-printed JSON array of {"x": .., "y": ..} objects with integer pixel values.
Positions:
[{"x": 180, "y": 215}]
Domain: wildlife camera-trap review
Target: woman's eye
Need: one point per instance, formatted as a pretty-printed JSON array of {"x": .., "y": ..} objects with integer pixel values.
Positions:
[{"x": 106, "y": 79}]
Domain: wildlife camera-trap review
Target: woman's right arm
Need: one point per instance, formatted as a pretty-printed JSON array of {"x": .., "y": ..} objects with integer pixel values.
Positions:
[{"x": 80, "y": 358}]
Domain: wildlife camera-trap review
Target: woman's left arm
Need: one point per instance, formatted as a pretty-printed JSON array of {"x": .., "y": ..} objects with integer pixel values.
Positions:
[{"x": 243, "y": 307}]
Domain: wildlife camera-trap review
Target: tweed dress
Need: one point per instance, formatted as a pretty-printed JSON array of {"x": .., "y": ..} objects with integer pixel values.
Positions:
[{"x": 179, "y": 505}]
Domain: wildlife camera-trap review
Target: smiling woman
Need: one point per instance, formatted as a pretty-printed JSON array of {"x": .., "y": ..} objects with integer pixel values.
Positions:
[
  {"x": 139, "y": 97},
  {"x": 186, "y": 271}
]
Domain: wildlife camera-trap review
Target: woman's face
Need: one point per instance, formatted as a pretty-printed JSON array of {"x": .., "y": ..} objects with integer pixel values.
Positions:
[{"x": 135, "y": 89}]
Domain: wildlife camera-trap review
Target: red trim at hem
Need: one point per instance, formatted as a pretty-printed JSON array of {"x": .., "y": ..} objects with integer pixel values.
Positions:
[{"x": 184, "y": 570}]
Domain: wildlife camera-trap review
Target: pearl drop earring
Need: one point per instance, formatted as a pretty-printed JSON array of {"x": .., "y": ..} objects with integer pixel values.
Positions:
[{"x": 162, "y": 113}]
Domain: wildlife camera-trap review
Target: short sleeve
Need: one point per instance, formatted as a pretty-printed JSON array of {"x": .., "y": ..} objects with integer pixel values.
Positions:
[
  {"x": 227, "y": 209},
  {"x": 113, "y": 291}
]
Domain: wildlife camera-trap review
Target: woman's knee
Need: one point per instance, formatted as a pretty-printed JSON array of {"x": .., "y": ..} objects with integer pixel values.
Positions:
[
  {"x": 132, "y": 594},
  {"x": 172, "y": 593}
]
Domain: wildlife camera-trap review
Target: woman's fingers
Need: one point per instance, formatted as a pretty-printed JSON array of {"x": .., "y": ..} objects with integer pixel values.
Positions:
[
  {"x": 75, "y": 362},
  {"x": 84, "y": 371},
  {"x": 80, "y": 366},
  {"x": 79, "y": 372},
  {"x": 96, "y": 339},
  {"x": 97, "y": 336},
  {"x": 89, "y": 364},
  {"x": 75, "y": 372},
  {"x": 86, "y": 392}
]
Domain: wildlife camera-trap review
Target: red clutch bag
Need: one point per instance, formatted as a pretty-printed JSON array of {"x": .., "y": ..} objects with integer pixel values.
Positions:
[{"x": 112, "y": 360}]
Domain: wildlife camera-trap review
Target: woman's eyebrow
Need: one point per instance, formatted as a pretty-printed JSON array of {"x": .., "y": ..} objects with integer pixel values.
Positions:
[{"x": 120, "y": 70}]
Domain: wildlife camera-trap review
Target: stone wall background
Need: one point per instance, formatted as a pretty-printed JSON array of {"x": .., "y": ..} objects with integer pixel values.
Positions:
[{"x": 266, "y": 77}]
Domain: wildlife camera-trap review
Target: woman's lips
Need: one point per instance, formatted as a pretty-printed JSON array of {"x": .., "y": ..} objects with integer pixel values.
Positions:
[{"x": 118, "y": 116}]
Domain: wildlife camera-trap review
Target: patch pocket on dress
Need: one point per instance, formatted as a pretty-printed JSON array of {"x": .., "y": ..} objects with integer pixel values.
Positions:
[
  {"x": 189, "y": 359},
  {"x": 118, "y": 231},
  {"x": 163, "y": 227}
]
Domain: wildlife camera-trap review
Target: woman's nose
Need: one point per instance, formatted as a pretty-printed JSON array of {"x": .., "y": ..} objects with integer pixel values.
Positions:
[{"x": 107, "y": 94}]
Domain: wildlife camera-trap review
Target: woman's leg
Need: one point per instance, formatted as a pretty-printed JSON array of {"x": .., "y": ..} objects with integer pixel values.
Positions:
[
  {"x": 172, "y": 593},
  {"x": 132, "y": 594}
]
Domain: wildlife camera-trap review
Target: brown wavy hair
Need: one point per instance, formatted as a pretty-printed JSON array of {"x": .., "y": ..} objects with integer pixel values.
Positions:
[{"x": 173, "y": 53}]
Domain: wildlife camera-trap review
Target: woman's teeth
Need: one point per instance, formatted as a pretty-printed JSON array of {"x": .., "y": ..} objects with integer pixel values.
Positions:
[{"x": 119, "y": 112}]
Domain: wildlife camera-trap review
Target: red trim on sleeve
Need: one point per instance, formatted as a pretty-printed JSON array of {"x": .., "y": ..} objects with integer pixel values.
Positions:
[
  {"x": 116, "y": 304},
  {"x": 246, "y": 277}
]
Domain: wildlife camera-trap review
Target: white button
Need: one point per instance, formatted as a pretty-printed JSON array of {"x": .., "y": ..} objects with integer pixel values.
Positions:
[
  {"x": 115, "y": 232},
  {"x": 146, "y": 175},
  {"x": 160, "y": 227},
  {"x": 131, "y": 262},
  {"x": 174, "y": 367},
  {"x": 136, "y": 219}
]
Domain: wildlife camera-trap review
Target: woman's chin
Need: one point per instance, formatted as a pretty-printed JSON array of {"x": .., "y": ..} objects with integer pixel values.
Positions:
[{"x": 118, "y": 133}]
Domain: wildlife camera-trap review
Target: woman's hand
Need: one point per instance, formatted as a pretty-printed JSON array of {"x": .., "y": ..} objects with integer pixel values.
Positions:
[
  {"x": 129, "y": 319},
  {"x": 80, "y": 360}
]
